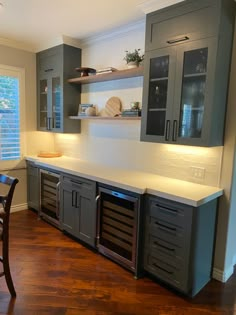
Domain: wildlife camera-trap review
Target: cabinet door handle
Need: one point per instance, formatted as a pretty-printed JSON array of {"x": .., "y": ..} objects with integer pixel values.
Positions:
[
  {"x": 167, "y": 132},
  {"x": 174, "y": 135},
  {"x": 177, "y": 40},
  {"x": 48, "y": 70},
  {"x": 73, "y": 198},
  {"x": 97, "y": 198},
  {"x": 77, "y": 200}
]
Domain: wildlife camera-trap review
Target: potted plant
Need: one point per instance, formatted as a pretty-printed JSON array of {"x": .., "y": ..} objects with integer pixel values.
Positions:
[{"x": 133, "y": 59}]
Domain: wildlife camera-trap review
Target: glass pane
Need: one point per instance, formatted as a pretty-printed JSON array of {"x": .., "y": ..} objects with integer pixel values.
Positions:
[
  {"x": 157, "y": 97},
  {"x": 156, "y": 123},
  {"x": 43, "y": 103},
  {"x": 56, "y": 103},
  {"x": 9, "y": 118},
  {"x": 193, "y": 93}
]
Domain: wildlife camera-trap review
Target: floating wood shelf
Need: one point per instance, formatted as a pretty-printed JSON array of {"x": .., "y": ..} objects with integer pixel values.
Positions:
[
  {"x": 104, "y": 118},
  {"x": 116, "y": 75}
]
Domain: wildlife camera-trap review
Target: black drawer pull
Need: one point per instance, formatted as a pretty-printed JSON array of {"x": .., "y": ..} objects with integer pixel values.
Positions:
[
  {"x": 75, "y": 182},
  {"x": 165, "y": 247},
  {"x": 165, "y": 227},
  {"x": 48, "y": 70},
  {"x": 172, "y": 211},
  {"x": 177, "y": 40},
  {"x": 163, "y": 269}
]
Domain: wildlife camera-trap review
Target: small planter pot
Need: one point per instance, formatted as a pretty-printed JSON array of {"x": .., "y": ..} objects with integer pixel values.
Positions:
[{"x": 132, "y": 64}]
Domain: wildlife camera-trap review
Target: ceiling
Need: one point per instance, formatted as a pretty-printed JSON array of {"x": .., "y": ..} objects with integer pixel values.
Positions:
[{"x": 33, "y": 22}]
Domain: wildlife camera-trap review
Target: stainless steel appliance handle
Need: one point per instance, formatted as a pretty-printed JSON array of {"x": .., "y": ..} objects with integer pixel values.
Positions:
[{"x": 97, "y": 198}]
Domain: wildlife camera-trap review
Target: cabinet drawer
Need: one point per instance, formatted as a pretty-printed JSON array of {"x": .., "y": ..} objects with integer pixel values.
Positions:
[
  {"x": 50, "y": 60},
  {"x": 87, "y": 186},
  {"x": 170, "y": 272},
  {"x": 198, "y": 24},
  {"x": 168, "y": 232},
  {"x": 172, "y": 215},
  {"x": 171, "y": 250}
]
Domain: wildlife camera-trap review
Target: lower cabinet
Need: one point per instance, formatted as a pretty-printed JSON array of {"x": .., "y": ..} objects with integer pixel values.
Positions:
[
  {"x": 179, "y": 243},
  {"x": 78, "y": 208},
  {"x": 33, "y": 186}
]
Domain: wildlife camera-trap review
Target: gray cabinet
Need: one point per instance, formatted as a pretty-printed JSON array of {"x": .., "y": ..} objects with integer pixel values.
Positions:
[
  {"x": 187, "y": 61},
  {"x": 33, "y": 186},
  {"x": 179, "y": 243},
  {"x": 57, "y": 99},
  {"x": 78, "y": 208}
]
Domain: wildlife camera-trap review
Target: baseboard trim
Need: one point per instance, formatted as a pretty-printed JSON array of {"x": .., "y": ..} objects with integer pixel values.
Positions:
[
  {"x": 20, "y": 207},
  {"x": 221, "y": 275}
]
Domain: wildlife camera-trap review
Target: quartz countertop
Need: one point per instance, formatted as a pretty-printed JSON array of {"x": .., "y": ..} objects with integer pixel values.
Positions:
[{"x": 136, "y": 181}]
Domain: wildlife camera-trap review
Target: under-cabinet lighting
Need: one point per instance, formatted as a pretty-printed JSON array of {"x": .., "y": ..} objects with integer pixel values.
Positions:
[{"x": 181, "y": 149}]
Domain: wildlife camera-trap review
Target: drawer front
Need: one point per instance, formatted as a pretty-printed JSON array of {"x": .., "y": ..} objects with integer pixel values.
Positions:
[
  {"x": 87, "y": 187},
  {"x": 170, "y": 28},
  {"x": 168, "y": 232},
  {"x": 169, "y": 271},
  {"x": 167, "y": 213},
  {"x": 175, "y": 252}
]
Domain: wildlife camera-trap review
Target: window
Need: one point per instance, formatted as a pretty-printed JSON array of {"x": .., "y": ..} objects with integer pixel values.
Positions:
[{"x": 11, "y": 109}]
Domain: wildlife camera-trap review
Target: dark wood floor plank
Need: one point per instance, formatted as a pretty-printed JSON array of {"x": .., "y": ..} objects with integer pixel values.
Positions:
[{"x": 54, "y": 274}]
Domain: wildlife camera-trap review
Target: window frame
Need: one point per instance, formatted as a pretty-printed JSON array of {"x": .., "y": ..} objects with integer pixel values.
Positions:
[{"x": 19, "y": 73}]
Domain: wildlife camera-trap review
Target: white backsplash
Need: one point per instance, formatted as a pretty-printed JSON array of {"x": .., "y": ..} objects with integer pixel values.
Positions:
[{"x": 117, "y": 144}]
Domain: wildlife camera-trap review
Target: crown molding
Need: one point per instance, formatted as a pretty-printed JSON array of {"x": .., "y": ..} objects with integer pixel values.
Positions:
[
  {"x": 16, "y": 44},
  {"x": 115, "y": 33},
  {"x": 58, "y": 41},
  {"x": 153, "y": 5}
]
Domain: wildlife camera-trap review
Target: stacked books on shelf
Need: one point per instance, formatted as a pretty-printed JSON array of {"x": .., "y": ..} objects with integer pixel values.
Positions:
[
  {"x": 131, "y": 113},
  {"x": 106, "y": 70}
]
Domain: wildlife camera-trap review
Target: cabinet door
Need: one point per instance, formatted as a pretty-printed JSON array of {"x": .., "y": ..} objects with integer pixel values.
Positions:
[
  {"x": 33, "y": 186},
  {"x": 158, "y": 95},
  {"x": 86, "y": 216},
  {"x": 194, "y": 87},
  {"x": 68, "y": 208},
  {"x": 50, "y": 102}
]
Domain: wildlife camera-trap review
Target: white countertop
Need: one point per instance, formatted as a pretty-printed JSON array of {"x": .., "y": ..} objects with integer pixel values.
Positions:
[{"x": 140, "y": 182}]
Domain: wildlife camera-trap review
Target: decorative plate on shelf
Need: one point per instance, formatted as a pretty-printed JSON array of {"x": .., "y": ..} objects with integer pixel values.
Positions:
[{"x": 85, "y": 71}]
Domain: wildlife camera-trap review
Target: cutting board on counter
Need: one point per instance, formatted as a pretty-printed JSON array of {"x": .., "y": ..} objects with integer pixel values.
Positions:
[
  {"x": 113, "y": 106},
  {"x": 49, "y": 154}
]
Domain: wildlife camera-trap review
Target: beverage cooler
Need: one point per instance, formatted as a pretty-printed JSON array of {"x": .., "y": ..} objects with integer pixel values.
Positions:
[
  {"x": 49, "y": 197},
  {"x": 118, "y": 225}
]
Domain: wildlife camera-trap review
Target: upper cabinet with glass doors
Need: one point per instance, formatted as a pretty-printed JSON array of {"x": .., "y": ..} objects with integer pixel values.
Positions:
[
  {"x": 186, "y": 73},
  {"x": 57, "y": 99}
]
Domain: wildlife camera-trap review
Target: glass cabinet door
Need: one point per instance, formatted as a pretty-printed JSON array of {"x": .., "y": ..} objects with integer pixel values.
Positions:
[
  {"x": 43, "y": 104},
  {"x": 56, "y": 103},
  {"x": 158, "y": 98},
  {"x": 192, "y": 102}
]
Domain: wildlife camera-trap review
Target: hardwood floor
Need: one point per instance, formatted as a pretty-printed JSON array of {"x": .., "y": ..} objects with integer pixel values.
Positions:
[{"x": 54, "y": 274}]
